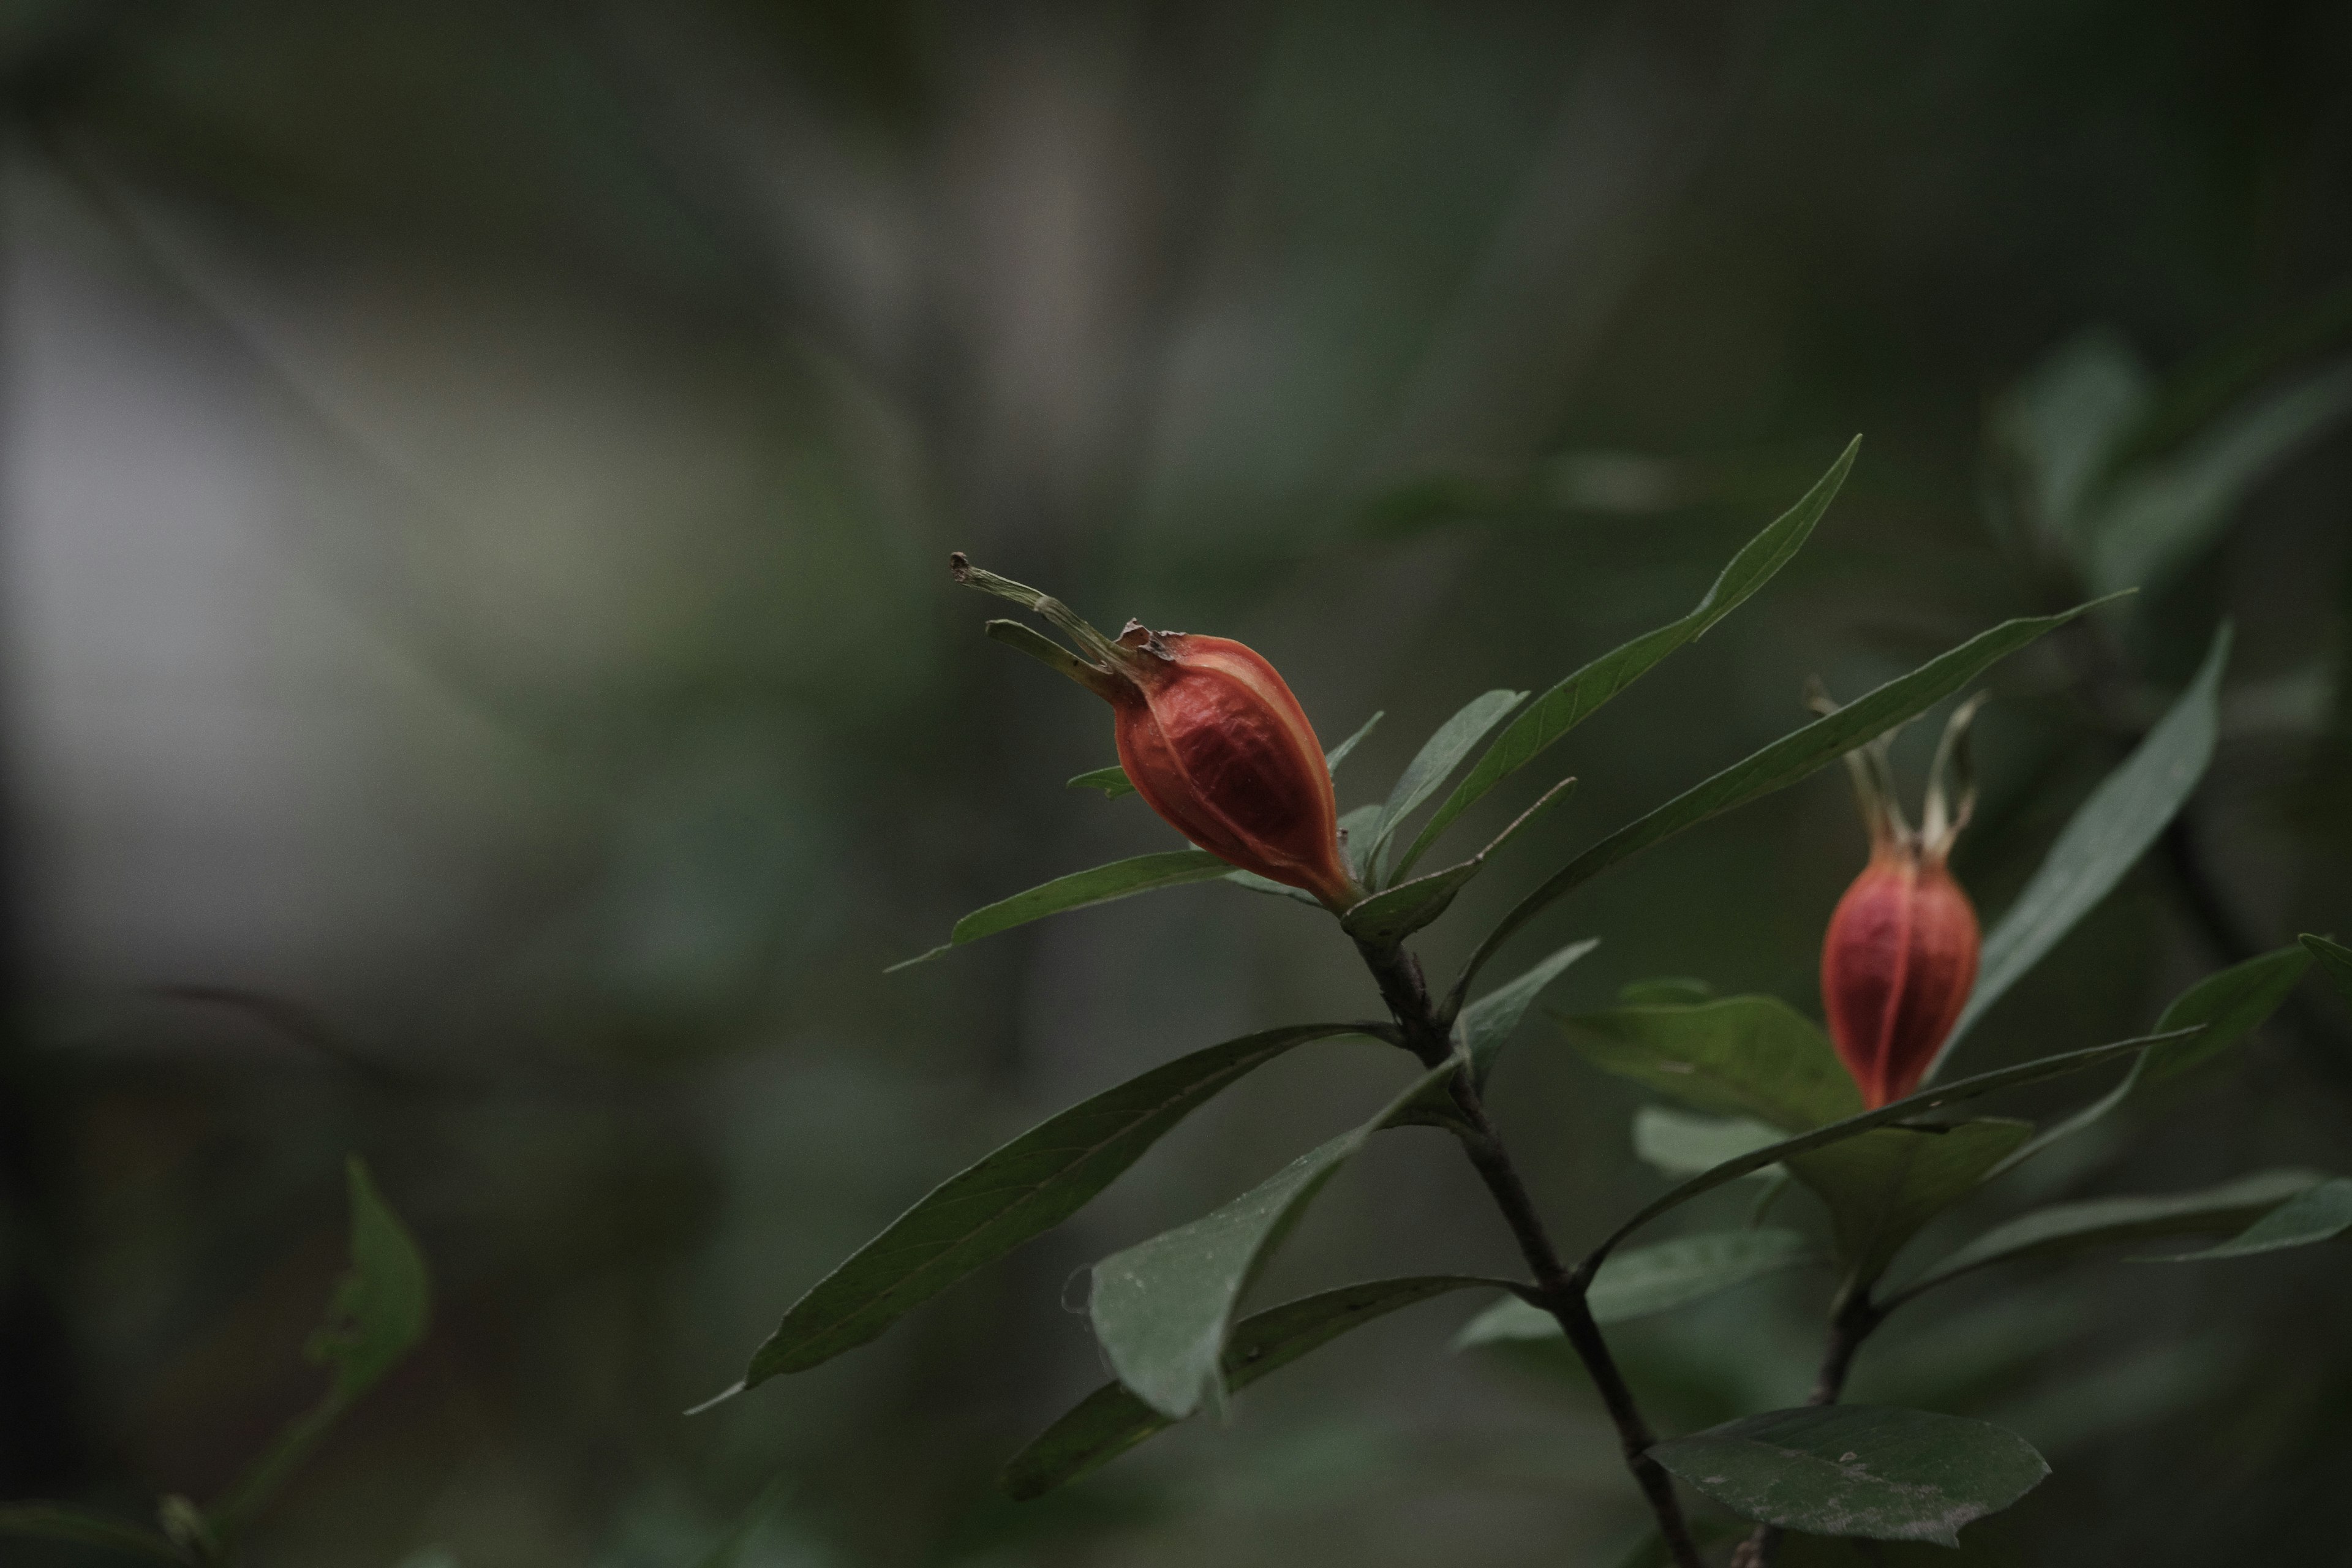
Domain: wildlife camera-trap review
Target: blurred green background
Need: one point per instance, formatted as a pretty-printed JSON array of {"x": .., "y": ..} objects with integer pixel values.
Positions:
[{"x": 483, "y": 690}]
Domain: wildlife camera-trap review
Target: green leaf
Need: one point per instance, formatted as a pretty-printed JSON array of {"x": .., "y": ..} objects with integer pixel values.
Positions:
[
  {"x": 1028, "y": 1186},
  {"x": 1110, "y": 1421},
  {"x": 2102, "y": 839},
  {"x": 2163, "y": 514},
  {"x": 2060, "y": 1229},
  {"x": 1881, "y": 1187},
  {"x": 1647, "y": 1281},
  {"x": 1386, "y": 919},
  {"x": 2319, "y": 1213},
  {"x": 1858, "y": 1469},
  {"x": 1784, "y": 761},
  {"x": 2062, "y": 424},
  {"x": 1931, "y": 1099},
  {"x": 1113, "y": 781},
  {"x": 729, "y": 1552},
  {"x": 2230, "y": 1004},
  {"x": 381, "y": 1309},
  {"x": 1743, "y": 1056},
  {"x": 1120, "y": 879},
  {"x": 1162, "y": 1308},
  {"x": 1433, "y": 765},
  {"x": 1576, "y": 699},
  {"x": 1667, "y": 991},
  {"x": 81, "y": 1526},
  {"x": 2335, "y": 958},
  {"x": 1683, "y": 1145},
  {"x": 1487, "y": 1024}
]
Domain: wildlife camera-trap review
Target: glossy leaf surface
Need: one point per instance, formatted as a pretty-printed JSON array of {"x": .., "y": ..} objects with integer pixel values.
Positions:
[
  {"x": 1743, "y": 1056},
  {"x": 2079, "y": 1226},
  {"x": 1029, "y": 1186},
  {"x": 1110, "y": 1421},
  {"x": 1792, "y": 757},
  {"x": 2321, "y": 1213},
  {"x": 1881, "y": 1187},
  {"x": 1931, "y": 1099},
  {"x": 1162, "y": 1309},
  {"x": 2107, "y": 835},
  {"x": 1577, "y": 698},
  {"x": 1858, "y": 1469},
  {"x": 1681, "y": 1144}
]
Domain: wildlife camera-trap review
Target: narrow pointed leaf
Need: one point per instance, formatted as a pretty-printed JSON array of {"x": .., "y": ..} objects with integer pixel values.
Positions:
[
  {"x": 2334, "y": 960},
  {"x": 1681, "y": 1144},
  {"x": 1792, "y": 757},
  {"x": 2231, "y": 1004},
  {"x": 2101, "y": 842},
  {"x": 1858, "y": 1469},
  {"x": 1743, "y": 1056},
  {"x": 1646, "y": 1281},
  {"x": 381, "y": 1309},
  {"x": 2320, "y": 1212},
  {"x": 1576, "y": 699},
  {"x": 1388, "y": 918},
  {"x": 1110, "y": 1421},
  {"x": 1028, "y": 1186},
  {"x": 83, "y": 1527},
  {"x": 1113, "y": 781},
  {"x": 1487, "y": 1024},
  {"x": 2062, "y": 1229},
  {"x": 1957, "y": 1091},
  {"x": 2163, "y": 514},
  {"x": 1881, "y": 1187},
  {"x": 1435, "y": 763},
  {"x": 1079, "y": 889},
  {"x": 1162, "y": 1309}
]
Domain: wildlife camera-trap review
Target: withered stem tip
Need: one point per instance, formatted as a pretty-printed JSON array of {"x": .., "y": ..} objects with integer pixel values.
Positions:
[{"x": 958, "y": 565}]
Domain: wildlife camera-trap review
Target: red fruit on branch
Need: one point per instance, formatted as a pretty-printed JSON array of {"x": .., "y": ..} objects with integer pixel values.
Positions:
[
  {"x": 1209, "y": 735},
  {"x": 1900, "y": 955}
]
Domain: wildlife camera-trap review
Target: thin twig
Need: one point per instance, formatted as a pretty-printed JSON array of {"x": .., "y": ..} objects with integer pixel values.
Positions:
[{"x": 1557, "y": 1289}]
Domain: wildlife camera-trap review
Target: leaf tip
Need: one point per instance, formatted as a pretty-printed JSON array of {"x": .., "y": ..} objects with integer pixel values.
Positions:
[
  {"x": 723, "y": 1395},
  {"x": 920, "y": 958}
]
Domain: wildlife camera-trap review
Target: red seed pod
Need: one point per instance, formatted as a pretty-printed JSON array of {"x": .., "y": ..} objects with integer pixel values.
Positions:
[
  {"x": 1900, "y": 955},
  {"x": 1211, "y": 737}
]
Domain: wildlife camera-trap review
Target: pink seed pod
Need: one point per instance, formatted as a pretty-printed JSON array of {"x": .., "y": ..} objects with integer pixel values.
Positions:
[
  {"x": 1900, "y": 955},
  {"x": 1210, "y": 736}
]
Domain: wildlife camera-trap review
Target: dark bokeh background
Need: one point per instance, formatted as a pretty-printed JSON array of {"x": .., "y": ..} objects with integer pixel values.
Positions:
[{"x": 482, "y": 690}]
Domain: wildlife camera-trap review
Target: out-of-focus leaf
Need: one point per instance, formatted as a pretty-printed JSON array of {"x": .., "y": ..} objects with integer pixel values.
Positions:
[
  {"x": 1487, "y": 1024},
  {"x": 1743, "y": 1056},
  {"x": 1645, "y": 1281},
  {"x": 82, "y": 1527},
  {"x": 1113, "y": 781},
  {"x": 2335, "y": 958},
  {"x": 1681, "y": 1144},
  {"x": 1029, "y": 1186},
  {"x": 1858, "y": 1469},
  {"x": 1110, "y": 1421},
  {"x": 1666, "y": 991},
  {"x": 1576, "y": 699},
  {"x": 1433, "y": 765},
  {"x": 2319, "y": 1213},
  {"x": 2098, "y": 1222},
  {"x": 1162, "y": 1308},
  {"x": 2230, "y": 1004},
  {"x": 1784, "y": 761},
  {"x": 1120, "y": 879},
  {"x": 1881, "y": 1187},
  {"x": 729, "y": 1552},
  {"x": 1930, "y": 1098},
  {"x": 2102, "y": 839},
  {"x": 2164, "y": 513},
  {"x": 2062, "y": 423},
  {"x": 381, "y": 1310},
  {"x": 1388, "y": 918}
]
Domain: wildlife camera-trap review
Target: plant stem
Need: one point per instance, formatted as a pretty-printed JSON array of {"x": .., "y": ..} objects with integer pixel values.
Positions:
[
  {"x": 1851, "y": 1322},
  {"x": 1557, "y": 1289}
]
